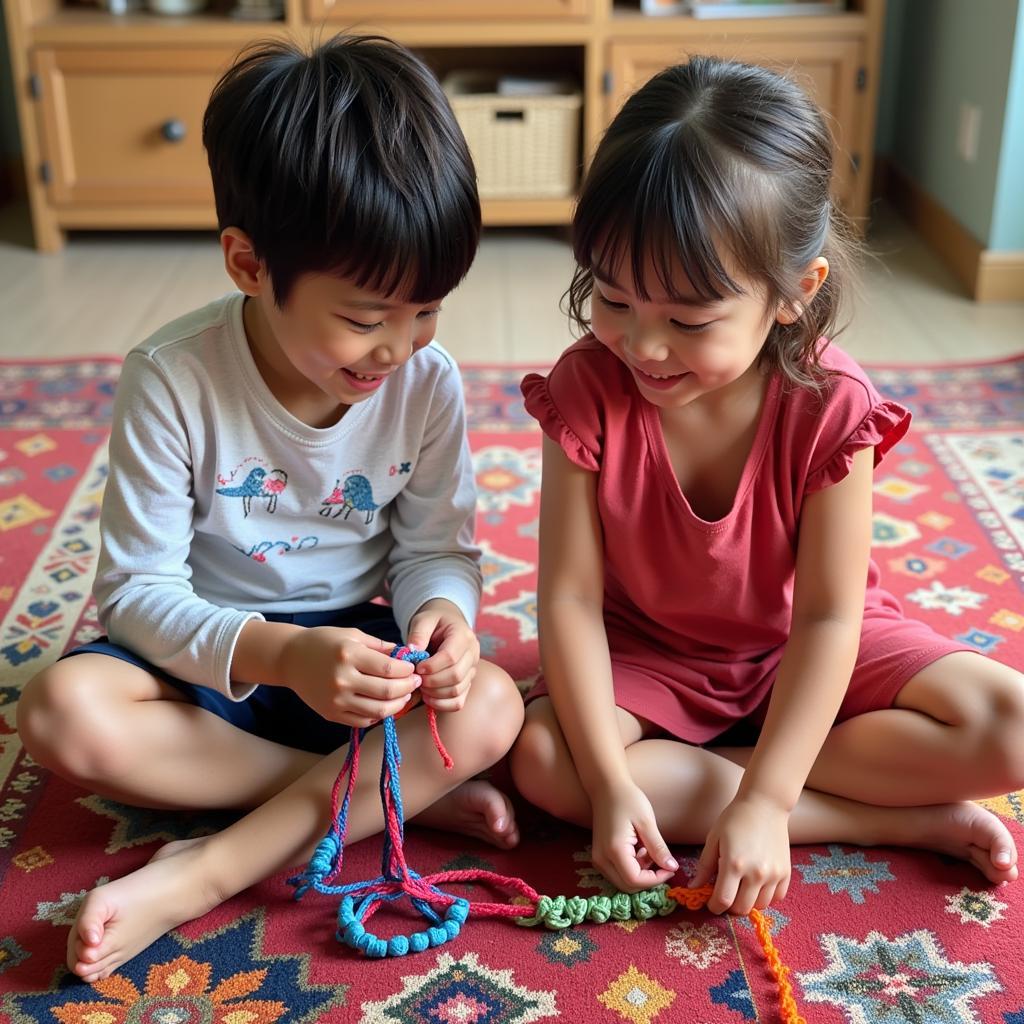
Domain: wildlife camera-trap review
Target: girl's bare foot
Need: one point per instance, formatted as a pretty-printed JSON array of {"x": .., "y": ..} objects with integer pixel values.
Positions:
[
  {"x": 962, "y": 830},
  {"x": 476, "y": 808},
  {"x": 120, "y": 919}
]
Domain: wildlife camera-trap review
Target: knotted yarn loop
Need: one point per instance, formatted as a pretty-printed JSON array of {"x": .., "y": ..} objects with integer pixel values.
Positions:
[
  {"x": 353, "y": 933},
  {"x": 557, "y": 912}
]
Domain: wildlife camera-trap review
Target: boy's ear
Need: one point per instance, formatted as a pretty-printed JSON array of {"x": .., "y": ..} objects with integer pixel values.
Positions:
[
  {"x": 241, "y": 263},
  {"x": 811, "y": 280}
]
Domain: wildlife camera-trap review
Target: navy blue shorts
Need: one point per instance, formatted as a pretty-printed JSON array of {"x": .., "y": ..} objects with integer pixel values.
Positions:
[{"x": 272, "y": 712}]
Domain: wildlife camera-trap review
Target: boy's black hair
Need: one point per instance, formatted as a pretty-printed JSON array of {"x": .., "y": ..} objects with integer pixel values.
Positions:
[
  {"x": 347, "y": 160},
  {"x": 712, "y": 159}
]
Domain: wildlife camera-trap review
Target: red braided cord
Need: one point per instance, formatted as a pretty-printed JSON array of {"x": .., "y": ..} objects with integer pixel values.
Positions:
[{"x": 445, "y": 756}]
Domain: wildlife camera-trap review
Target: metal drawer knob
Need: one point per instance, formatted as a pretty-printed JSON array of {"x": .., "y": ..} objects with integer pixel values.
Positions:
[{"x": 173, "y": 130}]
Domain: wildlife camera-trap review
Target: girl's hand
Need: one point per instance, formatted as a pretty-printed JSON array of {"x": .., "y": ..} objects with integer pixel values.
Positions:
[
  {"x": 627, "y": 847},
  {"x": 439, "y": 627},
  {"x": 749, "y": 848},
  {"x": 346, "y": 675}
]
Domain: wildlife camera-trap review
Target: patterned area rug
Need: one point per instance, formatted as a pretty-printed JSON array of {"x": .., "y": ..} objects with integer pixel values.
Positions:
[{"x": 875, "y": 936}]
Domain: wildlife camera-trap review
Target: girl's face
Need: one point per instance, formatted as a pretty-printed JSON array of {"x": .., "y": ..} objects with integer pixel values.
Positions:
[{"x": 678, "y": 350}]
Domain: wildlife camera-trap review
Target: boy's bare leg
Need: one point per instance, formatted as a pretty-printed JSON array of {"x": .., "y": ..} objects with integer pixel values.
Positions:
[
  {"x": 119, "y": 731},
  {"x": 186, "y": 880},
  {"x": 690, "y": 786}
]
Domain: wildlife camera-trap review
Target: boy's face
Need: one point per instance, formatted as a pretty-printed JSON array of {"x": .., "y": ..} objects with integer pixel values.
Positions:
[{"x": 341, "y": 339}]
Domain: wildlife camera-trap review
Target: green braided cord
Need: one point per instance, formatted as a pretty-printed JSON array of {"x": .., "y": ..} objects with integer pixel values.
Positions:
[{"x": 558, "y": 912}]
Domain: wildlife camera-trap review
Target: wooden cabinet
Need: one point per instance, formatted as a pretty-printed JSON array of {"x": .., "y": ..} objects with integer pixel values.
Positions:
[
  {"x": 827, "y": 68},
  {"x": 125, "y": 127},
  {"x": 444, "y": 10},
  {"x": 110, "y": 107}
]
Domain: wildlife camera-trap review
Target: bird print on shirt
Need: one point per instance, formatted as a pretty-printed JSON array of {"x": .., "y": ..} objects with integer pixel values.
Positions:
[
  {"x": 258, "y": 483},
  {"x": 356, "y": 493}
]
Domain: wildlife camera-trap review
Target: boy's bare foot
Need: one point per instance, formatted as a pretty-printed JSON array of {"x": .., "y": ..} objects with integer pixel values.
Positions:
[
  {"x": 476, "y": 808},
  {"x": 963, "y": 830},
  {"x": 120, "y": 919}
]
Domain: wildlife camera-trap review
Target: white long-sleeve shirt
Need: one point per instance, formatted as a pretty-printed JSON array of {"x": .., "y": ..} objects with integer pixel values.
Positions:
[{"x": 221, "y": 505}]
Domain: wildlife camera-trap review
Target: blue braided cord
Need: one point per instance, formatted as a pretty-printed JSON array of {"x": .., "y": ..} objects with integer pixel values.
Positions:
[
  {"x": 393, "y": 758},
  {"x": 390, "y": 764},
  {"x": 390, "y": 784},
  {"x": 352, "y": 932},
  {"x": 330, "y": 850},
  {"x": 356, "y": 889},
  {"x": 319, "y": 867}
]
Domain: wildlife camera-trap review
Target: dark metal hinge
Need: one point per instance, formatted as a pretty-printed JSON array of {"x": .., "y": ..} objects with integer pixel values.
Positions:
[
  {"x": 862, "y": 79},
  {"x": 45, "y": 172},
  {"x": 606, "y": 83},
  {"x": 35, "y": 87},
  {"x": 855, "y": 160}
]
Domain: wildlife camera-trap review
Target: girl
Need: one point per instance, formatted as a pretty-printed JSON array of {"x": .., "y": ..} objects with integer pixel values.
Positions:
[{"x": 706, "y": 528}]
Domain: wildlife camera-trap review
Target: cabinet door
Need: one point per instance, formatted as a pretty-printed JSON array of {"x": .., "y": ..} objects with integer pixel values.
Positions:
[
  {"x": 444, "y": 10},
  {"x": 123, "y": 127},
  {"x": 826, "y": 68}
]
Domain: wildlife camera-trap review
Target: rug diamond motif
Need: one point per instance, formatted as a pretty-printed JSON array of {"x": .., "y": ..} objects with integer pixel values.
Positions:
[
  {"x": 21, "y": 511},
  {"x": 462, "y": 991},
  {"x": 898, "y": 981},
  {"x": 637, "y": 997}
]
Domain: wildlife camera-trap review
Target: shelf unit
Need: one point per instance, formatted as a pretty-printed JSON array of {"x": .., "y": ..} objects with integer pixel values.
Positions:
[{"x": 110, "y": 105}]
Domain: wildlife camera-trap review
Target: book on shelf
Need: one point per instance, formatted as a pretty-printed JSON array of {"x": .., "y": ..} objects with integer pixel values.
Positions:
[
  {"x": 742, "y": 8},
  {"x": 761, "y": 8}
]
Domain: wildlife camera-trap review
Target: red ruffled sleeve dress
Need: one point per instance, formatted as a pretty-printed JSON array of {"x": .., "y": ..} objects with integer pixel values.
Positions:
[{"x": 698, "y": 613}]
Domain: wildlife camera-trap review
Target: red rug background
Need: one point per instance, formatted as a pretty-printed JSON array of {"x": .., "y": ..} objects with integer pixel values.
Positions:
[{"x": 872, "y": 935}]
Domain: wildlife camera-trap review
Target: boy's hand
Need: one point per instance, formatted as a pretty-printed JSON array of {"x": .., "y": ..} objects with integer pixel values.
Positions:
[
  {"x": 749, "y": 848},
  {"x": 346, "y": 675},
  {"x": 439, "y": 627},
  {"x": 627, "y": 846}
]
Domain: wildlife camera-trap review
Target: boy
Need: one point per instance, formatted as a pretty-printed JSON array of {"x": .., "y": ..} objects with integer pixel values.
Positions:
[{"x": 278, "y": 459}]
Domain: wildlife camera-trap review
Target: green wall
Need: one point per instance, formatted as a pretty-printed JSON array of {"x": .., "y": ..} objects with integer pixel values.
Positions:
[
  {"x": 937, "y": 55},
  {"x": 1008, "y": 211}
]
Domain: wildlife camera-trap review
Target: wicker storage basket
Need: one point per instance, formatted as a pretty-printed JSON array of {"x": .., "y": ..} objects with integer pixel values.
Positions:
[{"x": 523, "y": 146}]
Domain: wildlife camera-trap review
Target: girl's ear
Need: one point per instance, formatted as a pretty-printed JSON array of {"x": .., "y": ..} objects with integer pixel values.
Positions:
[
  {"x": 241, "y": 263},
  {"x": 811, "y": 280}
]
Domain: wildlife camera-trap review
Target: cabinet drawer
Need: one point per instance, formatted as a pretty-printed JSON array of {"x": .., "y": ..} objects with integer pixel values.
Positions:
[
  {"x": 445, "y": 10},
  {"x": 125, "y": 126},
  {"x": 827, "y": 68}
]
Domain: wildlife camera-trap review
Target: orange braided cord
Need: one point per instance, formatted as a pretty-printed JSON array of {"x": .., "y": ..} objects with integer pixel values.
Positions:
[
  {"x": 692, "y": 899},
  {"x": 788, "y": 1009},
  {"x": 695, "y": 899}
]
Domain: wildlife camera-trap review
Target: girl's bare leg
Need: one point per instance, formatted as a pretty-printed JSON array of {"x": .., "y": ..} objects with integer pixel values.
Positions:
[
  {"x": 690, "y": 786},
  {"x": 956, "y": 733},
  {"x": 186, "y": 880}
]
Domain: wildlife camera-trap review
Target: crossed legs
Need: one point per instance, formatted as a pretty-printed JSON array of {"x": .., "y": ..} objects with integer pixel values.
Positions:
[
  {"x": 165, "y": 752},
  {"x": 903, "y": 776}
]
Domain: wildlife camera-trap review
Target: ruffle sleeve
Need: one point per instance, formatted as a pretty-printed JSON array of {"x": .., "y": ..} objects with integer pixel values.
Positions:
[
  {"x": 541, "y": 405},
  {"x": 882, "y": 428}
]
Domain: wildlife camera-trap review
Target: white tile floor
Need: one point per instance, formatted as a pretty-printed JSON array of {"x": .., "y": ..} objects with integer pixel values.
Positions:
[{"x": 106, "y": 292}]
